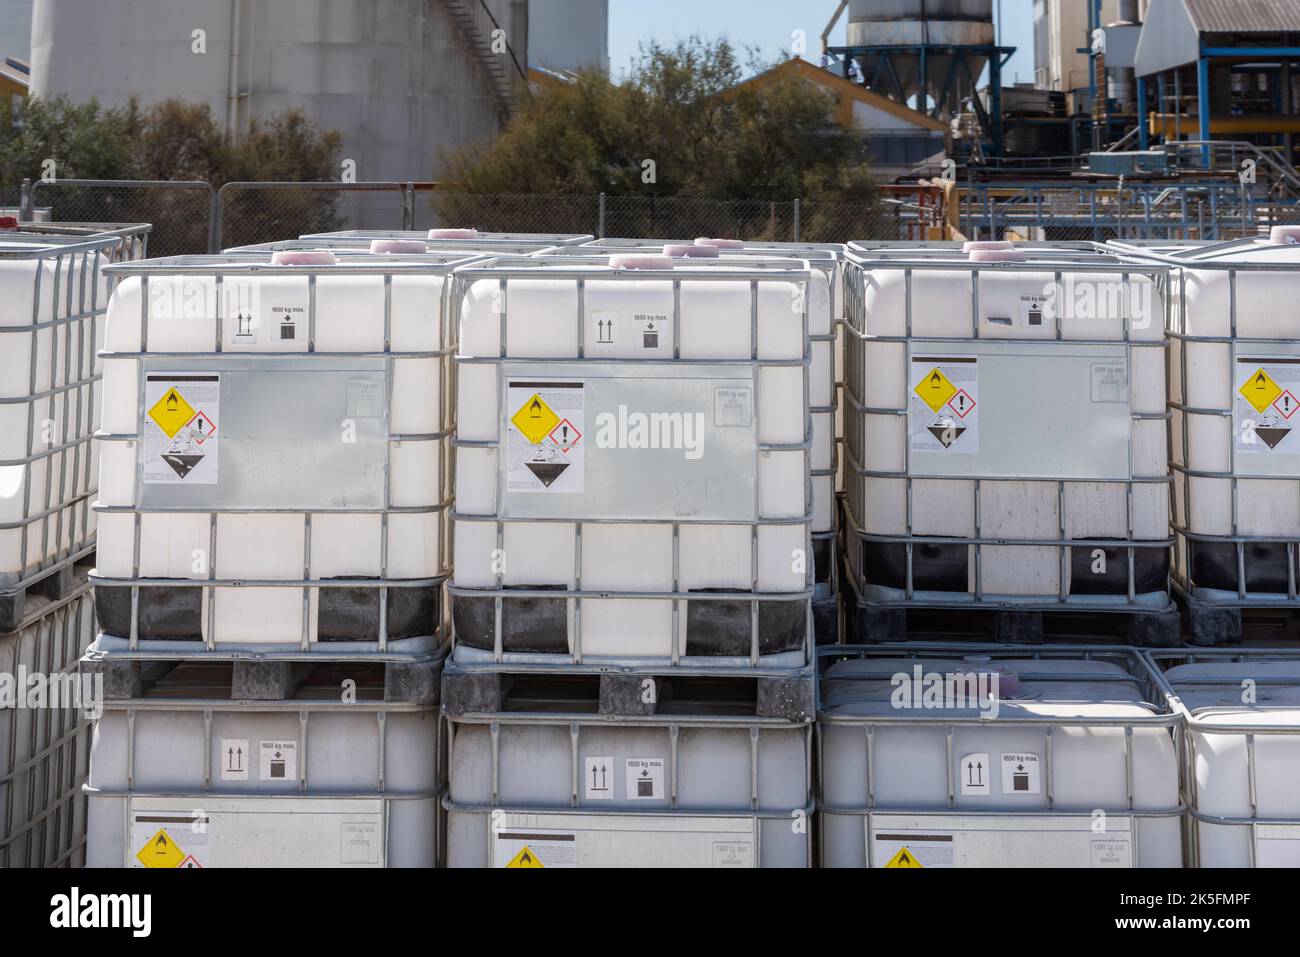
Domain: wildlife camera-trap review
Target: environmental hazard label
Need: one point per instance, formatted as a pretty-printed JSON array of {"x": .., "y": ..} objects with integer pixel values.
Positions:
[
  {"x": 515, "y": 849},
  {"x": 912, "y": 850},
  {"x": 1265, "y": 406},
  {"x": 943, "y": 405},
  {"x": 181, "y": 429},
  {"x": 544, "y": 444}
]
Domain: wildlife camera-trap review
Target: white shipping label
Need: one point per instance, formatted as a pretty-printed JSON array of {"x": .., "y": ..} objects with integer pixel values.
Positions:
[
  {"x": 1265, "y": 404},
  {"x": 644, "y": 779},
  {"x": 1109, "y": 382},
  {"x": 235, "y": 758},
  {"x": 733, "y": 854},
  {"x": 359, "y": 842},
  {"x": 278, "y": 761},
  {"x": 1111, "y": 854},
  {"x": 181, "y": 430},
  {"x": 545, "y": 437},
  {"x": 943, "y": 404},
  {"x": 1035, "y": 309},
  {"x": 912, "y": 851},
  {"x": 975, "y": 774},
  {"x": 521, "y": 850},
  {"x": 598, "y": 780},
  {"x": 1021, "y": 773}
]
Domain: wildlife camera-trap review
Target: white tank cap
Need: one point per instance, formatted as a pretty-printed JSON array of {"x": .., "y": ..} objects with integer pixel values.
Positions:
[
  {"x": 397, "y": 246},
  {"x": 1284, "y": 235},
  {"x": 996, "y": 256},
  {"x": 688, "y": 251},
  {"x": 641, "y": 261},
  {"x": 720, "y": 243},
  {"x": 453, "y": 234},
  {"x": 303, "y": 257},
  {"x": 971, "y": 246}
]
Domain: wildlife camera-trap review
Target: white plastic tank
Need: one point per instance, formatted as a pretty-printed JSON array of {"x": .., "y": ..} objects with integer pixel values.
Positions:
[
  {"x": 1234, "y": 388},
  {"x": 1006, "y": 430},
  {"x": 45, "y": 734},
  {"x": 1242, "y": 711},
  {"x": 53, "y": 295},
  {"x": 972, "y": 756},
  {"x": 632, "y": 462},
  {"x": 573, "y": 790},
  {"x": 186, "y": 777},
  {"x": 275, "y": 470},
  {"x": 402, "y": 246},
  {"x": 455, "y": 237}
]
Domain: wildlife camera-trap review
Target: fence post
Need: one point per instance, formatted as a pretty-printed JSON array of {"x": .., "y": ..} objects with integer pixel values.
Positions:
[
  {"x": 25, "y": 202},
  {"x": 796, "y": 219},
  {"x": 600, "y": 217},
  {"x": 214, "y": 220},
  {"x": 408, "y": 205}
]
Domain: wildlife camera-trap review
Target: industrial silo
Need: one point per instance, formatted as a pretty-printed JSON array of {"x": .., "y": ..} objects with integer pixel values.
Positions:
[
  {"x": 924, "y": 33},
  {"x": 401, "y": 79}
]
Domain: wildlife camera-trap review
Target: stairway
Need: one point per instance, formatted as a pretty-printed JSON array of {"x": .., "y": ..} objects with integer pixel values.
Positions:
[{"x": 475, "y": 24}]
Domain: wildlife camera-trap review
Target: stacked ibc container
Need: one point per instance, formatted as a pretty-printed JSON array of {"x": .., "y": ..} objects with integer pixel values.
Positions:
[
  {"x": 1007, "y": 444},
  {"x": 825, "y": 346},
  {"x": 273, "y": 548},
  {"x": 630, "y": 682},
  {"x": 53, "y": 295}
]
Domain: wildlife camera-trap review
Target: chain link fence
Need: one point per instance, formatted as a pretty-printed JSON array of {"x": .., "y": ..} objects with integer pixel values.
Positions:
[{"x": 192, "y": 217}]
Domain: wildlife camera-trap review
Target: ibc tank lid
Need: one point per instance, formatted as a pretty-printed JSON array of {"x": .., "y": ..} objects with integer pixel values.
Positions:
[
  {"x": 641, "y": 261},
  {"x": 453, "y": 234},
  {"x": 688, "y": 251},
  {"x": 8, "y": 222},
  {"x": 972, "y": 245},
  {"x": 1284, "y": 235},
  {"x": 381, "y": 246},
  {"x": 303, "y": 257},
  {"x": 720, "y": 243},
  {"x": 997, "y": 256}
]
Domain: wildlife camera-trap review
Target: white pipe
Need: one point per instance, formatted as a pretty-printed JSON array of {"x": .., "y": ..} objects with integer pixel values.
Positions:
[{"x": 232, "y": 84}]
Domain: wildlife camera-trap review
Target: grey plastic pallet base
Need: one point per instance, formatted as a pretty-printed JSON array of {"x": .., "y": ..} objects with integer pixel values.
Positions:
[
  {"x": 826, "y": 621},
  {"x": 1210, "y": 624},
  {"x": 630, "y": 695},
  {"x": 57, "y": 583}
]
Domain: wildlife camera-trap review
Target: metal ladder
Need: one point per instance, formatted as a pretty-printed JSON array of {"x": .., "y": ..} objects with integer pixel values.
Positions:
[{"x": 469, "y": 17}]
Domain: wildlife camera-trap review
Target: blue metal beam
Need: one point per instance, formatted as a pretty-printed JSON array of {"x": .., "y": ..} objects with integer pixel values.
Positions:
[
  {"x": 1144, "y": 141},
  {"x": 1203, "y": 107},
  {"x": 1252, "y": 53}
]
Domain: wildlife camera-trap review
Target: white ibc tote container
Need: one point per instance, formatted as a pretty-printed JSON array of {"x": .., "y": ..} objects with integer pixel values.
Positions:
[
  {"x": 53, "y": 294},
  {"x": 183, "y": 776},
  {"x": 1234, "y": 389},
  {"x": 274, "y": 455},
  {"x": 632, "y": 463},
  {"x": 1242, "y": 754},
  {"x": 1006, "y": 436},
  {"x": 454, "y": 238},
  {"x": 549, "y": 788},
  {"x": 979, "y": 756},
  {"x": 45, "y": 733}
]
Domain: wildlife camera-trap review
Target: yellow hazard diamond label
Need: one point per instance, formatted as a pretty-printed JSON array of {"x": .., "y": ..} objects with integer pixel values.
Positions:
[
  {"x": 160, "y": 851},
  {"x": 935, "y": 389},
  {"x": 171, "y": 412},
  {"x": 904, "y": 858},
  {"x": 1260, "y": 390},
  {"x": 535, "y": 419},
  {"x": 525, "y": 858}
]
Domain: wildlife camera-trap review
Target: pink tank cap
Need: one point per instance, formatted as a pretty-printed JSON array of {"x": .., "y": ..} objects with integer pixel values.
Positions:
[
  {"x": 303, "y": 257},
  {"x": 8, "y": 222},
  {"x": 642, "y": 261},
  {"x": 453, "y": 234},
  {"x": 676, "y": 250},
  {"x": 686, "y": 251},
  {"x": 720, "y": 243},
  {"x": 391, "y": 246},
  {"x": 972, "y": 246},
  {"x": 997, "y": 256},
  {"x": 1284, "y": 235}
]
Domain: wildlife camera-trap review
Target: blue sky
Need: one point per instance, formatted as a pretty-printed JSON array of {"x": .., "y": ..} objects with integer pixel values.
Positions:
[{"x": 768, "y": 24}]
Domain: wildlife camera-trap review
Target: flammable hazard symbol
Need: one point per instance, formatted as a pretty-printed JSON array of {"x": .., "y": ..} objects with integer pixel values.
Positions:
[
  {"x": 171, "y": 412},
  {"x": 904, "y": 858},
  {"x": 936, "y": 389},
  {"x": 160, "y": 851},
  {"x": 525, "y": 858},
  {"x": 1260, "y": 390},
  {"x": 535, "y": 419}
]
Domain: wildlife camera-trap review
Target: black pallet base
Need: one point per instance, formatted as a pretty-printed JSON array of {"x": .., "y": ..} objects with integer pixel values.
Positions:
[
  {"x": 470, "y": 690},
  {"x": 826, "y": 620},
  {"x": 1210, "y": 623},
  {"x": 415, "y": 682},
  {"x": 870, "y": 623},
  {"x": 53, "y": 584}
]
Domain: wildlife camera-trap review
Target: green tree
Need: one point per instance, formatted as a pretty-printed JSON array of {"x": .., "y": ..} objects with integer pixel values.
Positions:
[{"x": 710, "y": 136}]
